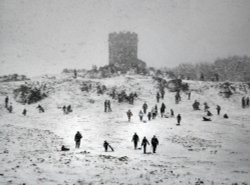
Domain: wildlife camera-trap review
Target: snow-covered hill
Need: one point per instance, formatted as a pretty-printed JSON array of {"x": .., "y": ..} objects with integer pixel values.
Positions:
[{"x": 196, "y": 152}]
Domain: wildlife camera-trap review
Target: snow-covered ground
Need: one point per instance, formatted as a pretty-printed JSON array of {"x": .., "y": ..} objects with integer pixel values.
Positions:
[{"x": 197, "y": 152}]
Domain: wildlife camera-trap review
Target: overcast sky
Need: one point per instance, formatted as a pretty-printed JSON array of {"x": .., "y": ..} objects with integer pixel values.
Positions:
[{"x": 45, "y": 36}]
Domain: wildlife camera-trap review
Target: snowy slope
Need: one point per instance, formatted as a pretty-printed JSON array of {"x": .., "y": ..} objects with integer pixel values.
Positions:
[{"x": 214, "y": 152}]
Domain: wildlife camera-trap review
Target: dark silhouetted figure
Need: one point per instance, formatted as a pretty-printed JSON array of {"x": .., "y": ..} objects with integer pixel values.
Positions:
[
  {"x": 106, "y": 145},
  {"x": 129, "y": 114},
  {"x": 106, "y": 106},
  {"x": 10, "y": 108},
  {"x": 40, "y": 108},
  {"x": 109, "y": 106},
  {"x": 24, "y": 112},
  {"x": 178, "y": 119},
  {"x": 196, "y": 105},
  {"x": 145, "y": 107},
  {"x": 243, "y": 103},
  {"x": 218, "y": 108},
  {"x": 189, "y": 95},
  {"x": 158, "y": 97},
  {"x": 63, "y": 148},
  {"x": 149, "y": 116},
  {"x": 162, "y": 109},
  {"x": 206, "y": 107},
  {"x": 75, "y": 73},
  {"x": 141, "y": 115},
  {"x": 225, "y": 116},
  {"x": 171, "y": 112},
  {"x": 209, "y": 113},
  {"x": 135, "y": 139},
  {"x": 154, "y": 143},
  {"x": 247, "y": 101},
  {"x": 69, "y": 109},
  {"x": 64, "y": 109},
  {"x": 78, "y": 138},
  {"x": 144, "y": 143},
  {"x": 6, "y": 102}
]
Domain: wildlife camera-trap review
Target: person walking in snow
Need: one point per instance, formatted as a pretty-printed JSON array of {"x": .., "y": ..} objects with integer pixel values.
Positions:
[
  {"x": 189, "y": 95},
  {"x": 10, "y": 108},
  {"x": 40, "y": 108},
  {"x": 145, "y": 107},
  {"x": 162, "y": 93},
  {"x": 162, "y": 109},
  {"x": 78, "y": 138},
  {"x": 149, "y": 116},
  {"x": 6, "y": 101},
  {"x": 243, "y": 103},
  {"x": 158, "y": 97},
  {"x": 135, "y": 139},
  {"x": 105, "y": 105},
  {"x": 109, "y": 106},
  {"x": 178, "y": 119},
  {"x": 154, "y": 143},
  {"x": 247, "y": 102},
  {"x": 218, "y": 108},
  {"x": 141, "y": 115},
  {"x": 106, "y": 145},
  {"x": 129, "y": 114},
  {"x": 144, "y": 143},
  {"x": 69, "y": 109},
  {"x": 24, "y": 112},
  {"x": 206, "y": 107},
  {"x": 171, "y": 112},
  {"x": 64, "y": 109}
]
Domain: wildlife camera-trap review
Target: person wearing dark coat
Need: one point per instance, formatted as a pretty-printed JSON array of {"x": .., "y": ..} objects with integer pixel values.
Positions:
[
  {"x": 144, "y": 143},
  {"x": 78, "y": 138},
  {"x": 243, "y": 103},
  {"x": 154, "y": 143},
  {"x": 105, "y": 106},
  {"x": 135, "y": 139},
  {"x": 209, "y": 113},
  {"x": 178, "y": 119},
  {"x": 24, "y": 112},
  {"x": 163, "y": 107},
  {"x": 158, "y": 97},
  {"x": 6, "y": 101},
  {"x": 218, "y": 108},
  {"x": 106, "y": 145},
  {"x": 225, "y": 116},
  {"x": 247, "y": 101},
  {"x": 149, "y": 116},
  {"x": 145, "y": 107}
]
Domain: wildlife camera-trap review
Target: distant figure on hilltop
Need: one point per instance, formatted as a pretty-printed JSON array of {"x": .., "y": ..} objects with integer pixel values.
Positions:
[
  {"x": 135, "y": 139},
  {"x": 40, "y": 109},
  {"x": 78, "y": 138},
  {"x": 162, "y": 109},
  {"x": 144, "y": 143}
]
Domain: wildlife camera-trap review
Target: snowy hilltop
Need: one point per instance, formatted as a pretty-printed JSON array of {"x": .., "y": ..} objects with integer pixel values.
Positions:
[{"x": 195, "y": 152}]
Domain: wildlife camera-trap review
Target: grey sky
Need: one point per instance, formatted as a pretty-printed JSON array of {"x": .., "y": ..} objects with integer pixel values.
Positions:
[{"x": 45, "y": 36}]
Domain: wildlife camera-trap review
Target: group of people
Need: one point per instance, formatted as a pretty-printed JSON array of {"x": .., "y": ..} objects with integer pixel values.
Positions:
[
  {"x": 106, "y": 145},
  {"x": 145, "y": 142},
  {"x": 67, "y": 109},
  {"x": 245, "y": 102}
]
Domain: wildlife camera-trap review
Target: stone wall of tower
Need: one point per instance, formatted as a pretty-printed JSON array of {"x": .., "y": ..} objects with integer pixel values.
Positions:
[{"x": 122, "y": 47}]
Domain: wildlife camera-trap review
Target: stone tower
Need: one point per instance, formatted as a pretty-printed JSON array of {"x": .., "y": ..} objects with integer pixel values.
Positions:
[{"x": 122, "y": 48}]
